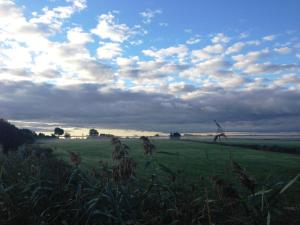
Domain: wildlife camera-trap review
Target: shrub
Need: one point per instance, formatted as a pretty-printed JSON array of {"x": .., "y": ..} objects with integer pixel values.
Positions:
[{"x": 10, "y": 136}]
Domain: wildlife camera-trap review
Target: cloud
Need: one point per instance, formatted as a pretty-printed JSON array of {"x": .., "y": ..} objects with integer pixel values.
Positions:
[
  {"x": 287, "y": 80},
  {"x": 249, "y": 59},
  {"x": 212, "y": 67},
  {"x": 108, "y": 28},
  {"x": 149, "y": 14},
  {"x": 64, "y": 75},
  {"x": 269, "y": 38},
  {"x": 179, "y": 52},
  {"x": 77, "y": 36},
  {"x": 193, "y": 40},
  {"x": 207, "y": 52},
  {"x": 181, "y": 87},
  {"x": 271, "y": 68},
  {"x": 52, "y": 19},
  {"x": 236, "y": 47},
  {"x": 163, "y": 24},
  {"x": 283, "y": 50},
  {"x": 87, "y": 105},
  {"x": 126, "y": 62},
  {"x": 220, "y": 38},
  {"x": 109, "y": 51}
]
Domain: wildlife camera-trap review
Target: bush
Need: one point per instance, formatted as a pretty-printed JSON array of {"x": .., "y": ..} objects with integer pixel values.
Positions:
[
  {"x": 10, "y": 136},
  {"x": 175, "y": 135}
]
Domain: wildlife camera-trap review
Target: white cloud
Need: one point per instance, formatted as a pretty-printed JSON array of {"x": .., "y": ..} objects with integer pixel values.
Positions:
[
  {"x": 109, "y": 51},
  {"x": 163, "y": 24},
  {"x": 244, "y": 35},
  {"x": 246, "y": 60},
  {"x": 269, "y": 38},
  {"x": 283, "y": 50},
  {"x": 136, "y": 42},
  {"x": 180, "y": 52},
  {"x": 52, "y": 19},
  {"x": 237, "y": 47},
  {"x": 193, "y": 40},
  {"x": 78, "y": 36},
  {"x": 126, "y": 62},
  {"x": 212, "y": 67},
  {"x": 148, "y": 15},
  {"x": 220, "y": 38},
  {"x": 108, "y": 28},
  {"x": 287, "y": 79},
  {"x": 207, "y": 52}
]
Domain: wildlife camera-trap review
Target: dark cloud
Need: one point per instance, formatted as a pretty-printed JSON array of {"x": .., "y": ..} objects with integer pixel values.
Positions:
[{"x": 89, "y": 105}]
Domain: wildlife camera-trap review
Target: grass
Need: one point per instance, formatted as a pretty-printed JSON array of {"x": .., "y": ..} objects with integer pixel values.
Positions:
[
  {"x": 38, "y": 188},
  {"x": 196, "y": 159}
]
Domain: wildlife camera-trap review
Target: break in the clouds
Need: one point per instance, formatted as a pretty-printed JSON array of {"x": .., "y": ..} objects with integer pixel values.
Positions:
[{"x": 75, "y": 64}]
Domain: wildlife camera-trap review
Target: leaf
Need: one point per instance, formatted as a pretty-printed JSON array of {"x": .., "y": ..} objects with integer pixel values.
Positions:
[
  {"x": 289, "y": 184},
  {"x": 263, "y": 192},
  {"x": 269, "y": 218}
]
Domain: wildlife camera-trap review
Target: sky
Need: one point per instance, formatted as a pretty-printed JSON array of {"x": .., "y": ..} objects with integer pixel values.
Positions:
[{"x": 145, "y": 65}]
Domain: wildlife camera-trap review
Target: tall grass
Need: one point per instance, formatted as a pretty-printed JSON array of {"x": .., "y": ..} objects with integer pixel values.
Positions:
[{"x": 37, "y": 188}]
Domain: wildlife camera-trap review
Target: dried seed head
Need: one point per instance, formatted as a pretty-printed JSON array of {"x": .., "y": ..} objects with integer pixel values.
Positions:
[
  {"x": 224, "y": 189},
  {"x": 74, "y": 158},
  {"x": 243, "y": 177},
  {"x": 124, "y": 170},
  {"x": 149, "y": 148}
]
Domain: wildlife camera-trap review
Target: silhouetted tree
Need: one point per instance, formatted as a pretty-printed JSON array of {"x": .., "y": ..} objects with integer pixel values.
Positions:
[
  {"x": 67, "y": 135},
  {"x": 93, "y": 133},
  {"x": 58, "y": 131},
  {"x": 44, "y": 136},
  {"x": 175, "y": 135},
  {"x": 10, "y": 136},
  {"x": 41, "y": 135},
  {"x": 106, "y": 135}
]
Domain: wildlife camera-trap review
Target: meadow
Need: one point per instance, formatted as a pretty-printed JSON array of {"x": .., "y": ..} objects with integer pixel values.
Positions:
[{"x": 192, "y": 158}]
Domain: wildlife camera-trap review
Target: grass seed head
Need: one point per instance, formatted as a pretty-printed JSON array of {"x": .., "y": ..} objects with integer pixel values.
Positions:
[{"x": 74, "y": 158}]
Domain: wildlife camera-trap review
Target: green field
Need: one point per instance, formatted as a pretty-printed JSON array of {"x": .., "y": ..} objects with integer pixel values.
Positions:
[{"x": 196, "y": 159}]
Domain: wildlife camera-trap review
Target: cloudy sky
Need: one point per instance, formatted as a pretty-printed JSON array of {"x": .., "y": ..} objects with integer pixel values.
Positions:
[{"x": 151, "y": 65}]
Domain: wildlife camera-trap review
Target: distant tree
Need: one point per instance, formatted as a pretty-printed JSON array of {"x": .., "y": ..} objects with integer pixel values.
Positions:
[
  {"x": 67, "y": 135},
  {"x": 41, "y": 135},
  {"x": 44, "y": 136},
  {"x": 175, "y": 135},
  {"x": 106, "y": 135},
  {"x": 93, "y": 133},
  {"x": 10, "y": 136},
  {"x": 58, "y": 131}
]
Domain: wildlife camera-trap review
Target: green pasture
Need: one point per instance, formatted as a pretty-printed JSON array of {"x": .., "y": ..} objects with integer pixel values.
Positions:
[{"x": 194, "y": 159}]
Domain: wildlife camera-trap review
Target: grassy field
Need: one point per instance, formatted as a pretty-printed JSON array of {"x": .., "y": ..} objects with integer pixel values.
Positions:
[
  {"x": 196, "y": 159},
  {"x": 277, "y": 142}
]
